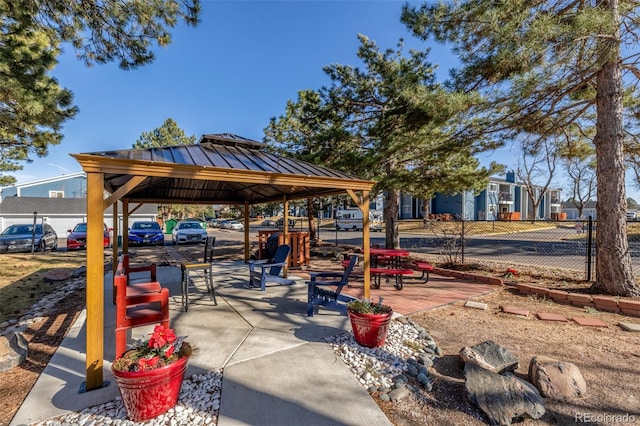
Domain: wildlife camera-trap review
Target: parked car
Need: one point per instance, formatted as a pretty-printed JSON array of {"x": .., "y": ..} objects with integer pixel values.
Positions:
[
  {"x": 188, "y": 231},
  {"x": 146, "y": 232},
  {"x": 16, "y": 238},
  {"x": 269, "y": 222},
  {"x": 235, "y": 225},
  {"x": 280, "y": 223},
  {"x": 202, "y": 223},
  {"x": 77, "y": 238},
  {"x": 222, "y": 223},
  {"x": 214, "y": 223}
]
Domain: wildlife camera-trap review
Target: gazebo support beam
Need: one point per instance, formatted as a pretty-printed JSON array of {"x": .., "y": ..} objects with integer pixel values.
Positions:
[
  {"x": 285, "y": 229},
  {"x": 123, "y": 190},
  {"x": 363, "y": 205},
  {"x": 95, "y": 282},
  {"x": 246, "y": 232}
]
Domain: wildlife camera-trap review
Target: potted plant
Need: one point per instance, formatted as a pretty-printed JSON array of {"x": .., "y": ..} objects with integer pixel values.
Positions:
[
  {"x": 369, "y": 321},
  {"x": 150, "y": 376}
]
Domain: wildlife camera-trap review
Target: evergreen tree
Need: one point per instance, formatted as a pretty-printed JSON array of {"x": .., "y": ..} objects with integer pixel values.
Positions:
[
  {"x": 33, "y": 106},
  {"x": 546, "y": 66},
  {"x": 169, "y": 134},
  {"x": 390, "y": 122},
  {"x": 103, "y": 31}
]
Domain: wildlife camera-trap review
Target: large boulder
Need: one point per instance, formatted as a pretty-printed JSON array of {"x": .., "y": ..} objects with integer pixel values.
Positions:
[
  {"x": 13, "y": 350},
  {"x": 490, "y": 356},
  {"x": 502, "y": 398},
  {"x": 555, "y": 379}
]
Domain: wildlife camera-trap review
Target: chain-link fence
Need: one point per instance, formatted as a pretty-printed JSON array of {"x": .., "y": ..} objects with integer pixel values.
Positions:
[{"x": 562, "y": 246}]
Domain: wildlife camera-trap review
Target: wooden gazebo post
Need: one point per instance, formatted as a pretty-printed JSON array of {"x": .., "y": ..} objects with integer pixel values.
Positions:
[
  {"x": 363, "y": 205},
  {"x": 95, "y": 281},
  {"x": 246, "y": 232},
  {"x": 114, "y": 242}
]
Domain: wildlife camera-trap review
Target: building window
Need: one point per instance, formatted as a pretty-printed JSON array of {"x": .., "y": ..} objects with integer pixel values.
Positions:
[{"x": 56, "y": 194}]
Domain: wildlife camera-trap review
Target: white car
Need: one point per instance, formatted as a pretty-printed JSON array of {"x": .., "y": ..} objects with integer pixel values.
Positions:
[
  {"x": 234, "y": 224},
  {"x": 188, "y": 231}
]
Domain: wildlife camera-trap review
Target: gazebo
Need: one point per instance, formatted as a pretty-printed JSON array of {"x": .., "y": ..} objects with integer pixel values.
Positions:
[{"x": 219, "y": 169}]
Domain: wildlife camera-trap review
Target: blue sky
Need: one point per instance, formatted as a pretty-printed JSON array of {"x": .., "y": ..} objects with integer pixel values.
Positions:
[{"x": 230, "y": 74}]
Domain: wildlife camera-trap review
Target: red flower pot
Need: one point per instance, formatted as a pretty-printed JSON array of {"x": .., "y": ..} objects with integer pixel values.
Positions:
[
  {"x": 370, "y": 330},
  {"x": 147, "y": 394}
]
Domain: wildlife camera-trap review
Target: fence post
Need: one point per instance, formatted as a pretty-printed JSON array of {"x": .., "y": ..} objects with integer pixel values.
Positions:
[
  {"x": 462, "y": 242},
  {"x": 589, "y": 242}
]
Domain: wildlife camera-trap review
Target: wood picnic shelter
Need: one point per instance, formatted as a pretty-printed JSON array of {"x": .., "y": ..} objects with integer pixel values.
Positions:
[{"x": 219, "y": 169}]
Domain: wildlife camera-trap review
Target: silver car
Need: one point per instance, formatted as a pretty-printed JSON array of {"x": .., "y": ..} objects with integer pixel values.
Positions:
[
  {"x": 18, "y": 238},
  {"x": 188, "y": 231}
]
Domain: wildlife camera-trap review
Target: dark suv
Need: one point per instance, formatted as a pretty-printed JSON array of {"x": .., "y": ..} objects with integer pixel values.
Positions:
[{"x": 146, "y": 232}]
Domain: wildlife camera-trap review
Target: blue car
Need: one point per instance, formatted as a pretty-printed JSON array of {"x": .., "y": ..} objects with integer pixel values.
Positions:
[{"x": 146, "y": 232}]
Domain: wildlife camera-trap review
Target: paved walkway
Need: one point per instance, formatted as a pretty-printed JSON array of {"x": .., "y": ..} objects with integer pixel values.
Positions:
[{"x": 277, "y": 368}]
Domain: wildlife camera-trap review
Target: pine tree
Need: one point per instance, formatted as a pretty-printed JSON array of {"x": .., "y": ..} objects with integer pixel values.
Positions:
[
  {"x": 33, "y": 106},
  {"x": 545, "y": 67},
  {"x": 169, "y": 134},
  {"x": 390, "y": 122}
]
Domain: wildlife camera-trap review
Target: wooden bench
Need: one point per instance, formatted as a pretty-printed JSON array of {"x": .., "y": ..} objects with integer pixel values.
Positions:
[
  {"x": 137, "y": 305},
  {"x": 377, "y": 274}
]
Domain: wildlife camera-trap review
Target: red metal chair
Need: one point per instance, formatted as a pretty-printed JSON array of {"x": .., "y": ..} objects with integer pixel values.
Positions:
[{"x": 137, "y": 308}]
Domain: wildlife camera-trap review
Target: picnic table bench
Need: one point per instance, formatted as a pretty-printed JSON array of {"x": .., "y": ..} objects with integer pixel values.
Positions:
[
  {"x": 424, "y": 267},
  {"x": 377, "y": 274}
]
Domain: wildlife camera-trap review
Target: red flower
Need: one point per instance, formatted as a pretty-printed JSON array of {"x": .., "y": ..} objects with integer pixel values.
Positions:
[
  {"x": 169, "y": 351},
  {"x": 148, "y": 363},
  {"x": 161, "y": 336}
]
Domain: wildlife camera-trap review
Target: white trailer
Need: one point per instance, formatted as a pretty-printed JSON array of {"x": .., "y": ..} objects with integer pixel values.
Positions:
[{"x": 351, "y": 219}]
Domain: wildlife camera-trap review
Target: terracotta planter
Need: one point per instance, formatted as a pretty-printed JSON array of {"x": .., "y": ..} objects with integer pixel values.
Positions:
[
  {"x": 370, "y": 330},
  {"x": 147, "y": 394}
]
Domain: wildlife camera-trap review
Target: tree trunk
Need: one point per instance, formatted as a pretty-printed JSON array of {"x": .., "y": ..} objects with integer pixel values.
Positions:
[
  {"x": 392, "y": 235},
  {"x": 426, "y": 209},
  {"x": 613, "y": 262}
]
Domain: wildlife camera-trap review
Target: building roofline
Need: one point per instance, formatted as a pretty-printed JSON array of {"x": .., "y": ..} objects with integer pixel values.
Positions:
[{"x": 43, "y": 180}]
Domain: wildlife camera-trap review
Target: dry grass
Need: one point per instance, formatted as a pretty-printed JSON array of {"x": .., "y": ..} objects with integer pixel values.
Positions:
[{"x": 22, "y": 278}]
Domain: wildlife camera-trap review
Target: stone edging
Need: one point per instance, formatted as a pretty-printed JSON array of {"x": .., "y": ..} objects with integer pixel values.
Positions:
[
  {"x": 617, "y": 305},
  {"x": 467, "y": 276}
]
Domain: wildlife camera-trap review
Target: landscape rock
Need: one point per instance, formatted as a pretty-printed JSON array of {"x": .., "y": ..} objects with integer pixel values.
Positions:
[
  {"x": 399, "y": 393},
  {"x": 59, "y": 274},
  {"x": 502, "y": 398},
  {"x": 13, "y": 350},
  {"x": 490, "y": 356},
  {"x": 555, "y": 379}
]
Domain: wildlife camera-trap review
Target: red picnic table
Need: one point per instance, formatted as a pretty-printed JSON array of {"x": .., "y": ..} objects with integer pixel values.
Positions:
[{"x": 388, "y": 262}]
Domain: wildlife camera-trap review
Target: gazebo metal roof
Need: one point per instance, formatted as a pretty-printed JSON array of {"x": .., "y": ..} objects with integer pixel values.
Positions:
[{"x": 220, "y": 168}]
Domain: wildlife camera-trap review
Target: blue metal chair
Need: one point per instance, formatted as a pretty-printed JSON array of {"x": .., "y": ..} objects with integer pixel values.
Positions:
[
  {"x": 261, "y": 271},
  {"x": 330, "y": 297}
]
